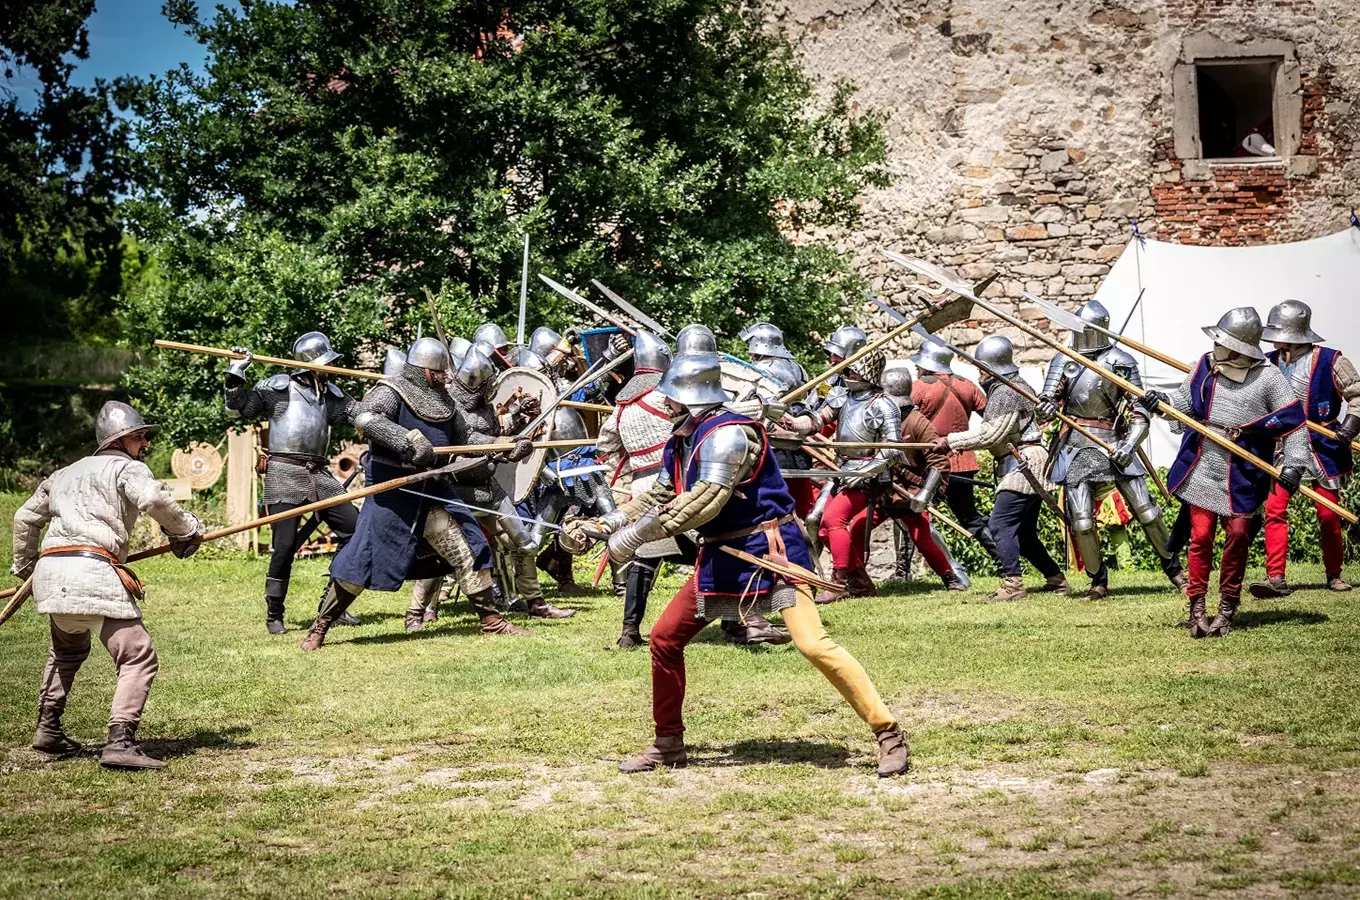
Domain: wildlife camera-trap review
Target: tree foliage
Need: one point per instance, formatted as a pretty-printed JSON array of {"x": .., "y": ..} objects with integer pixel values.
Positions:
[
  {"x": 63, "y": 163},
  {"x": 336, "y": 159}
]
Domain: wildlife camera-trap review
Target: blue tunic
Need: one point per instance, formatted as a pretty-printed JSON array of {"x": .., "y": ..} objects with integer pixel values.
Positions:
[
  {"x": 762, "y": 497},
  {"x": 1248, "y": 486},
  {"x": 389, "y": 545},
  {"x": 1323, "y": 404}
]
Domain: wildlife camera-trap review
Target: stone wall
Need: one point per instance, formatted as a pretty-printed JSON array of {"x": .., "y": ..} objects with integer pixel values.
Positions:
[{"x": 1028, "y": 134}]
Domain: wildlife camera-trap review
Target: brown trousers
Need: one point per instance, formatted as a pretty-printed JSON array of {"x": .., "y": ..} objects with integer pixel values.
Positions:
[{"x": 134, "y": 660}]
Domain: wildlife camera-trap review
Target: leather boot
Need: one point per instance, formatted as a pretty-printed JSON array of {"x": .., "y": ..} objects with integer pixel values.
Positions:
[
  {"x": 1100, "y": 585},
  {"x": 631, "y": 639},
  {"x": 830, "y": 596},
  {"x": 542, "y": 609},
  {"x": 859, "y": 584},
  {"x": 347, "y": 618},
  {"x": 122, "y": 751},
  {"x": 1175, "y": 572},
  {"x": 493, "y": 623},
  {"x": 1199, "y": 625},
  {"x": 1272, "y": 588},
  {"x": 1227, "y": 610},
  {"x": 665, "y": 751},
  {"x": 952, "y": 583},
  {"x": 894, "y": 755},
  {"x": 316, "y": 635},
  {"x": 431, "y": 613},
  {"x": 1337, "y": 584},
  {"x": 273, "y": 614},
  {"x": 756, "y": 630},
  {"x": 1055, "y": 584},
  {"x": 415, "y": 619},
  {"x": 50, "y": 738},
  {"x": 1012, "y": 588}
]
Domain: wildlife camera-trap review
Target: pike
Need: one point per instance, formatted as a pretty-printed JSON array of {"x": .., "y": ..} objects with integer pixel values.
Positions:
[
  {"x": 939, "y": 316},
  {"x": 1165, "y": 408},
  {"x": 481, "y": 509},
  {"x": 329, "y": 370},
  {"x": 633, "y": 311},
  {"x": 597, "y": 310},
  {"x": 1073, "y": 323},
  {"x": 394, "y": 484},
  {"x": 474, "y": 449},
  {"x": 523, "y": 293}
]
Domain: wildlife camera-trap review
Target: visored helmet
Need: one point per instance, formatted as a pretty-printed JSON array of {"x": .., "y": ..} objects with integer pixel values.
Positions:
[
  {"x": 764, "y": 339},
  {"x": 934, "y": 357},
  {"x": 999, "y": 355},
  {"x": 476, "y": 368},
  {"x": 1239, "y": 330},
  {"x": 1091, "y": 340},
  {"x": 429, "y": 353},
  {"x": 117, "y": 420},
  {"x": 650, "y": 353},
  {"x": 1290, "y": 322},
  {"x": 694, "y": 380},
  {"x": 491, "y": 334},
  {"x": 845, "y": 341},
  {"x": 314, "y": 347},
  {"x": 695, "y": 338}
]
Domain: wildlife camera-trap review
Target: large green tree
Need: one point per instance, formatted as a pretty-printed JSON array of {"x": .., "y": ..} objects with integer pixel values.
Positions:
[{"x": 337, "y": 158}]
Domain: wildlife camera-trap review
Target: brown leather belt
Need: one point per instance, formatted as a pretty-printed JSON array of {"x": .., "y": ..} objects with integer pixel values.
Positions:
[
  {"x": 89, "y": 551},
  {"x": 1093, "y": 423},
  {"x": 745, "y": 532}
]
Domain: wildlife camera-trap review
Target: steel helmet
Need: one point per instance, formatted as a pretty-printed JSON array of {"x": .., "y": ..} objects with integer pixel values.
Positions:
[
  {"x": 1090, "y": 340},
  {"x": 428, "y": 353},
  {"x": 764, "y": 339},
  {"x": 650, "y": 353},
  {"x": 845, "y": 341},
  {"x": 694, "y": 380},
  {"x": 458, "y": 348},
  {"x": 1240, "y": 331},
  {"x": 1290, "y": 322},
  {"x": 934, "y": 356},
  {"x": 897, "y": 383},
  {"x": 525, "y": 358},
  {"x": 314, "y": 347},
  {"x": 548, "y": 344},
  {"x": 476, "y": 369},
  {"x": 491, "y": 334},
  {"x": 695, "y": 338},
  {"x": 117, "y": 420},
  {"x": 393, "y": 362},
  {"x": 998, "y": 354}
]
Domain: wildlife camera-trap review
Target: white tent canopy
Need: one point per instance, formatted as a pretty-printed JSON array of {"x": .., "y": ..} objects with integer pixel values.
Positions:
[{"x": 1185, "y": 287}]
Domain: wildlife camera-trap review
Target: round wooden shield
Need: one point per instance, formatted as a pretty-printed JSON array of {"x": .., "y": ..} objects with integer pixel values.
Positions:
[
  {"x": 518, "y": 479},
  {"x": 200, "y": 464}
]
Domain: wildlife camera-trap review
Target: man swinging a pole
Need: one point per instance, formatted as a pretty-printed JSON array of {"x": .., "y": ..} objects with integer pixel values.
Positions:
[{"x": 719, "y": 477}]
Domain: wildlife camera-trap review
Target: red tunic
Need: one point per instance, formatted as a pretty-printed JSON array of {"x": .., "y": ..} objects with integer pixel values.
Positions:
[{"x": 948, "y": 401}]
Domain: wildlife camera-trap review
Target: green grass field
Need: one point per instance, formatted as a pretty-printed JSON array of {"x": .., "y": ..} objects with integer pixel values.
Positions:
[{"x": 1061, "y": 748}]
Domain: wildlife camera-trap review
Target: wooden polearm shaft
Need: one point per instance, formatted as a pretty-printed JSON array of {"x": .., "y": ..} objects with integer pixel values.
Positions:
[
  {"x": 471, "y": 449},
  {"x": 871, "y": 347},
  {"x": 391, "y": 485},
  {"x": 1165, "y": 408},
  {"x": 329, "y": 370},
  {"x": 1174, "y": 363}
]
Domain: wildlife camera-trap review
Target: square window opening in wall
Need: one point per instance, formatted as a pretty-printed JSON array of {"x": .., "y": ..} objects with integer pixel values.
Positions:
[{"x": 1236, "y": 107}]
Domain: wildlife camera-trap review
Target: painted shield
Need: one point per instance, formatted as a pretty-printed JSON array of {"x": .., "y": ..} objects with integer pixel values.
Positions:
[{"x": 518, "y": 479}]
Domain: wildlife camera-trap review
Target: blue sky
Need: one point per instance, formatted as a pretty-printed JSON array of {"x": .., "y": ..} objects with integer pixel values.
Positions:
[{"x": 129, "y": 37}]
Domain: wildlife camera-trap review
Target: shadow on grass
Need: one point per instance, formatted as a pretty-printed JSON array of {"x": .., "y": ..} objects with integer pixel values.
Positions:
[
  {"x": 224, "y": 739},
  {"x": 822, "y": 754},
  {"x": 1263, "y": 617}
]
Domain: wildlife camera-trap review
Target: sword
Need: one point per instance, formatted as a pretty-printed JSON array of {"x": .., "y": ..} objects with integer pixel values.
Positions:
[
  {"x": 434, "y": 314},
  {"x": 633, "y": 311},
  {"x": 480, "y": 509},
  {"x": 599, "y": 311}
]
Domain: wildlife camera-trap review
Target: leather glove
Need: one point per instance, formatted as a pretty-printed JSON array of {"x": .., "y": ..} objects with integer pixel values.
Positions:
[
  {"x": 1148, "y": 402},
  {"x": 529, "y": 407},
  {"x": 186, "y": 546},
  {"x": 236, "y": 372},
  {"x": 942, "y": 445},
  {"x": 420, "y": 451},
  {"x": 1348, "y": 429},
  {"x": 1123, "y": 455},
  {"x": 523, "y": 447},
  {"x": 618, "y": 345},
  {"x": 1291, "y": 479},
  {"x": 573, "y": 537},
  {"x": 1047, "y": 410}
]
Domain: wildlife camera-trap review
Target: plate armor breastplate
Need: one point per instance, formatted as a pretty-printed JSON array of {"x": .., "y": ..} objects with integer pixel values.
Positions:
[
  {"x": 862, "y": 418},
  {"x": 300, "y": 425}
]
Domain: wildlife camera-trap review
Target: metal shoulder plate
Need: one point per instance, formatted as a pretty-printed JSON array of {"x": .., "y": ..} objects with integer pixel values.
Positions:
[
  {"x": 723, "y": 455},
  {"x": 1121, "y": 363},
  {"x": 277, "y": 382},
  {"x": 836, "y": 397}
]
